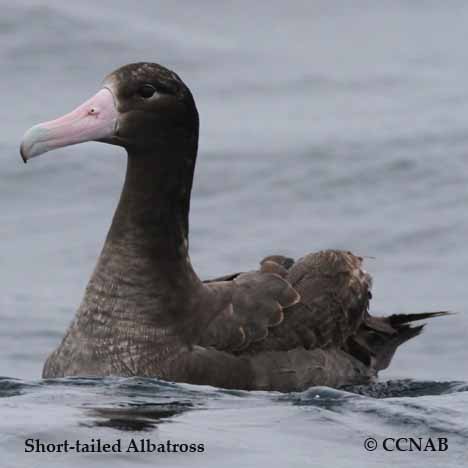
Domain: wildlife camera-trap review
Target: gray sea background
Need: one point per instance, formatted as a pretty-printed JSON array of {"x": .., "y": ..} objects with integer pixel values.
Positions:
[{"x": 324, "y": 124}]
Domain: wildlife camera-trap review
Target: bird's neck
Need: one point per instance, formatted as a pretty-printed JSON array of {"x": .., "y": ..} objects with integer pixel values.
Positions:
[
  {"x": 152, "y": 215},
  {"x": 145, "y": 256}
]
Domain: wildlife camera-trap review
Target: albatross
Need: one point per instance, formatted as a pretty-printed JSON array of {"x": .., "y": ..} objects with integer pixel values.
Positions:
[{"x": 286, "y": 326}]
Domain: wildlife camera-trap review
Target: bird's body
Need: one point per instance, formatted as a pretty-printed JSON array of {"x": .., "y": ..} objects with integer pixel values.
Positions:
[{"x": 286, "y": 326}]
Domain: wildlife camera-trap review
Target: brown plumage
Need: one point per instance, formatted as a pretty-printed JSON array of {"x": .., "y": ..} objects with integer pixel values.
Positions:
[{"x": 286, "y": 326}]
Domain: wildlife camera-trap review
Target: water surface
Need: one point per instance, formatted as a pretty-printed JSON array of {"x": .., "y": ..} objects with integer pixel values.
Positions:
[{"x": 323, "y": 125}]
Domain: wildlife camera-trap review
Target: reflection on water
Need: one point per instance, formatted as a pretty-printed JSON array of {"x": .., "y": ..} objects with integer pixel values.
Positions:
[{"x": 135, "y": 417}]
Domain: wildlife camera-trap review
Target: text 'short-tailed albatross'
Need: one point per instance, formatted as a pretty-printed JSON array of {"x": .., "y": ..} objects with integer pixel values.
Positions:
[{"x": 287, "y": 326}]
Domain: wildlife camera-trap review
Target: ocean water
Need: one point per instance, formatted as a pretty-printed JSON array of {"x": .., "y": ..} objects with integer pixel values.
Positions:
[{"x": 324, "y": 124}]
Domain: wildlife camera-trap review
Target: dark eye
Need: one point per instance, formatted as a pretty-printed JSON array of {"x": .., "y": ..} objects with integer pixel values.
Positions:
[{"x": 146, "y": 91}]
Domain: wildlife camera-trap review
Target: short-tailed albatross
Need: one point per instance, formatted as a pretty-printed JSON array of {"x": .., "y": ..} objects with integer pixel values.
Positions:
[{"x": 286, "y": 326}]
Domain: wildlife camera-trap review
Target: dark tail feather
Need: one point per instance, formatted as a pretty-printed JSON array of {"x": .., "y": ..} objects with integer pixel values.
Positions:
[
  {"x": 378, "y": 338},
  {"x": 399, "y": 319}
]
